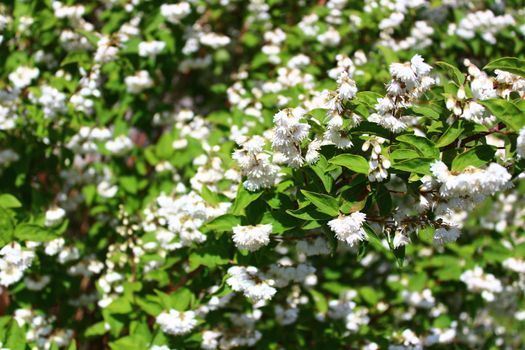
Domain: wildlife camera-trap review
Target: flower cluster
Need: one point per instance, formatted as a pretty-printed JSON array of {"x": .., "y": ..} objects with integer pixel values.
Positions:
[
  {"x": 206, "y": 174},
  {"x": 409, "y": 81}
]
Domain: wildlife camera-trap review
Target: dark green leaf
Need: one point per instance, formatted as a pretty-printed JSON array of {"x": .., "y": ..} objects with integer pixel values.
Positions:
[
  {"x": 506, "y": 112},
  {"x": 477, "y": 156},
  {"x": 37, "y": 233},
  {"x": 416, "y": 165},
  {"x": 509, "y": 64},
  {"x": 323, "y": 202},
  {"x": 353, "y": 162},
  {"x": 422, "y": 144},
  {"x": 452, "y": 72},
  {"x": 243, "y": 199},
  {"x": 222, "y": 223}
]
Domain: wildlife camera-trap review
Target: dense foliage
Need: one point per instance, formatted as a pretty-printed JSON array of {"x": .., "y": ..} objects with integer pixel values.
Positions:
[{"x": 262, "y": 174}]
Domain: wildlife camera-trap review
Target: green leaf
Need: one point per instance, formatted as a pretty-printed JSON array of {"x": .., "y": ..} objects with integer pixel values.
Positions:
[
  {"x": 129, "y": 184},
  {"x": 16, "y": 337},
  {"x": 416, "y": 165},
  {"x": 243, "y": 199},
  {"x": 443, "y": 322},
  {"x": 182, "y": 299},
  {"x": 369, "y": 98},
  {"x": 214, "y": 253},
  {"x": 150, "y": 307},
  {"x": 430, "y": 110},
  {"x": 222, "y": 223},
  {"x": 353, "y": 162},
  {"x": 374, "y": 240},
  {"x": 370, "y": 295},
  {"x": 210, "y": 196},
  {"x": 404, "y": 153},
  {"x": 388, "y": 54},
  {"x": 9, "y": 201},
  {"x": 323, "y": 202},
  {"x": 417, "y": 282},
  {"x": 452, "y": 133},
  {"x": 7, "y": 226},
  {"x": 33, "y": 232},
  {"x": 281, "y": 221},
  {"x": 96, "y": 330},
  {"x": 509, "y": 64},
  {"x": 321, "y": 304},
  {"x": 506, "y": 112},
  {"x": 309, "y": 213},
  {"x": 426, "y": 147},
  {"x": 130, "y": 342},
  {"x": 206, "y": 259},
  {"x": 320, "y": 170},
  {"x": 79, "y": 57},
  {"x": 120, "y": 306},
  {"x": 477, "y": 156},
  {"x": 384, "y": 200},
  {"x": 452, "y": 72},
  {"x": 92, "y": 38},
  {"x": 89, "y": 192}
]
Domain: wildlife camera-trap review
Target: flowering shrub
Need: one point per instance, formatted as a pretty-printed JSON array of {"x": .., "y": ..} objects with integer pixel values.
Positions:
[{"x": 262, "y": 174}]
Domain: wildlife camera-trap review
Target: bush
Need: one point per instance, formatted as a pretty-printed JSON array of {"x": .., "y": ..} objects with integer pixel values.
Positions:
[{"x": 262, "y": 174}]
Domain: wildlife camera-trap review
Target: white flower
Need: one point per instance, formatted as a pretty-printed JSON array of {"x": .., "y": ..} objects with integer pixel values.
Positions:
[
  {"x": 443, "y": 235},
  {"x": 175, "y": 12},
  {"x": 54, "y": 246},
  {"x": 335, "y": 137},
  {"x": 252, "y": 237},
  {"x": 286, "y": 316},
  {"x": 9, "y": 273},
  {"x": 476, "y": 113},
  {"x": 423, "y": 299},
  {"x": 472, "y": 181},
  {"x": 151, "y": 48},
  {"x": 388, "y": 121},
  {"x": 441, "y": 336},
  {"x": 347, "y": 87},
  {"x": 514, "y": 264},
  {"x": 312, "y": 154},
  {"x": 214, "y": 40},
  {"x": 22, "y": 76},
  {"x": 479, "y": 281},
  {"x": 288, "y": 134},
  {"x": 349, "y": 228},
  {"x": 52, "y": 101},
  {"x": 483, "y": 88},
  {"x": 120, "y": 145},
  {"x": 400, "y": 239},
  {"x": 177, "y": 322},
  {"x": 318, "y": 247},
  {"x": 403, "y": 72},
  {"x": 255, "y": 164},
  {"x": 520, "y": 144},
  {"x": 38, "y": 283},
  {"x": 7, "y": 118},
  {"x": 329, "y": 38},
  {"x": 54, "y": 216},
  {"x": 159, "y": 347},
  {"x": 419, "y": 66},
  {"x": 210, "y": 340},
  {"x": 106, "y": 190},
  {"x": 138, "y": 82},
  {"x": 13, "y": 262},
  {"x": 251, "y": 282},
  {"x": 106, "y": 50}
]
